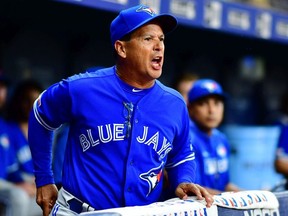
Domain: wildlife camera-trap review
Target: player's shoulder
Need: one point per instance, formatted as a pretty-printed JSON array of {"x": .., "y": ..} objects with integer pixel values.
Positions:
[
  {"x": 91, "y": 74},
  {"x": 170, "y": 91}
]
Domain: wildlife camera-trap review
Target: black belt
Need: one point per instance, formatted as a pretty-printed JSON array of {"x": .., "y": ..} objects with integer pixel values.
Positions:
[{"x": 78, "y": 206}]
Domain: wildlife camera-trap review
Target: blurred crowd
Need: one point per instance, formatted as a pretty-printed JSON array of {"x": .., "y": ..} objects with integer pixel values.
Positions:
[
  {"x": 278, "y": 5},
  {"x": 17, "y": 186}
]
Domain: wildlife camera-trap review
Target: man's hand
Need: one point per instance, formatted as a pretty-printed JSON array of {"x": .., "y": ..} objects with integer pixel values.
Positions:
[
  {"x": 185, "y": 189},
  {"x": 46, "y": 198}
]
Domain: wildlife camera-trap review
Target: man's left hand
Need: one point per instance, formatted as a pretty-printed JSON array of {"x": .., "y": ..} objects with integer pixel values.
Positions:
[{"x": 185, "y": 189}]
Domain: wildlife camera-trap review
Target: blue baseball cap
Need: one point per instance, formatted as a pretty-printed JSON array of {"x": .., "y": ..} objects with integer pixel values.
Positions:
[
  {"x": 205, "y": 87},
  {"x": 132, "y": 18}
]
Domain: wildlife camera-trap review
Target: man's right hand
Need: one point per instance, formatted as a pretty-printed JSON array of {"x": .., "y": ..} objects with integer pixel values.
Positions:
[{"x": 46, "y": 198}]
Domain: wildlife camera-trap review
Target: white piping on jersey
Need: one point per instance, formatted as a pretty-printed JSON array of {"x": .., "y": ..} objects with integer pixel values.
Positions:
[
  {"x": 188, "y": 158},
  {"x": 38, "y": 117}
]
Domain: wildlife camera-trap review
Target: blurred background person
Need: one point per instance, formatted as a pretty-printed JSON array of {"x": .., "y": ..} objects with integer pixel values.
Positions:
[
  {"x": 17, "y": 113},
  {"x": 14, "y": 198},
  {"x": 212, "y": 150},
  {"x": 281, "y": 156},
  {"x": 19, "y": 106},
  {"x": 16, "y": 195},
  {"x": 184, "y": 83}
]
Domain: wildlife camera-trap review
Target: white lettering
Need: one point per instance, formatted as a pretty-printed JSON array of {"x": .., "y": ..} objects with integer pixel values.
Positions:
[
  {"x": 118, "y": 132},
  {"x": 257, "y": 212},
  {"x": 153, "y": 140},
  {"x": 107, "y": 134},
  {"x": 166, "y": 148},
  {"x": 84, "y": 142},
  {"x": 165, "y": 145},
  {"x": 142, "y": 140},
  {"x": 94, "y": 143},
  {"x": 266, "y": 212},
  {"x": 262, "y": 212},
  {"x": 101, "y": 134}
]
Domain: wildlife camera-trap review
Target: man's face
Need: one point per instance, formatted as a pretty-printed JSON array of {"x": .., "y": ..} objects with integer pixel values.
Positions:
[
  {"x": 207, "y": 112},
  {"x": 145, "y": 52}
]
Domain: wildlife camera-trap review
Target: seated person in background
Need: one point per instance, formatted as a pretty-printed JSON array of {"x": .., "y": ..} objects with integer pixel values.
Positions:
[
  {"x": 206, "y": 109},
  {"x": 17, "y": 197},
  {"x": 19, "y": 105},
  {"x": 17, "y": 114}
]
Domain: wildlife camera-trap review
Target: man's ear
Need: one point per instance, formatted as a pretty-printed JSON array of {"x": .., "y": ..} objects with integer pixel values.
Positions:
[{"x": 120, "y": 48}]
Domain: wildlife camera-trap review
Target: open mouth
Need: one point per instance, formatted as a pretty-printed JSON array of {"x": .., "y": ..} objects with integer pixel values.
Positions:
[{"x": 157, "y": 62}]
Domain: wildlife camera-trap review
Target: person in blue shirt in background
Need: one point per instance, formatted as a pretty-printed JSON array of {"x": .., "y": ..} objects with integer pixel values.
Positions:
[
  {"x": 17, "y": 196},
  {"x": 212, "y": 151},
  {"x": 19, "y": 105}
]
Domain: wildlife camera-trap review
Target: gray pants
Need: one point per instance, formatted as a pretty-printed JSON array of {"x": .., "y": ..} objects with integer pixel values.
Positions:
[
  {"x": 62, "y": 207},
  {"x": 17, "y": 202}
]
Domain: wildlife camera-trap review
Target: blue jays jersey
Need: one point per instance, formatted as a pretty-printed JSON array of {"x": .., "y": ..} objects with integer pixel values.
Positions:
[
  {"x": 212, "y": 158},
  {"x": 120, "y": 139}
]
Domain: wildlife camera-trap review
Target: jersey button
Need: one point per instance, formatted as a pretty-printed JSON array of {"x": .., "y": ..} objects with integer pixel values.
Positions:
[
  {"x": 136, "y": 121},
  {"x": 129, "y": 189},
  {"x": 131, "y": 162}
]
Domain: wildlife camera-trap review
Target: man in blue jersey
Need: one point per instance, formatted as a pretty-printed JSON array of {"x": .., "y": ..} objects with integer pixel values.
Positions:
[
  {"x": 125, "y": 127},
  {"x": 206, "y": 108}
]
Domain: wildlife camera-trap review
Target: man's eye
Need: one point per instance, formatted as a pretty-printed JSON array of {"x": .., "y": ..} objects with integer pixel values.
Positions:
[{"x": 148, "y": 38}]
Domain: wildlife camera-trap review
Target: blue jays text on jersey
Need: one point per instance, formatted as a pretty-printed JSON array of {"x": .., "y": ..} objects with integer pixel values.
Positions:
[
  {"x": 119, "y": 140},
  {"x": 115, "y": 132}
]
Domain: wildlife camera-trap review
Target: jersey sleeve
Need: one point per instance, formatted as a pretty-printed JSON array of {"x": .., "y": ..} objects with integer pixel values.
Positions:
[
  {"x": 53, "y": 107},
  {"x": 50, "y": 110},
  {"x": 198, "y": 176},
  {"x": 181, "y": 161}
]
